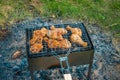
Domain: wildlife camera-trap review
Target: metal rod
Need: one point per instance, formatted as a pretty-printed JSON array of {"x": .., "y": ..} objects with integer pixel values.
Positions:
[{"x": 116, "y": 55}]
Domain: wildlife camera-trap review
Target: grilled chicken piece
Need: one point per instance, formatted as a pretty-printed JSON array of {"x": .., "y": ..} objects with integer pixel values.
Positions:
[
  {"x": 61, "y": 31},
  {"x": 53, "y": 34},
  {"x": 52, "y": 43},
  {"x": 33, "y": 40},
  {"x": 37, "y": 39},
  {"x": 36, "y": 48},
  {"x": 64, "y": 44},
  {"x": 42, "y": 32},
  {"x": 74, "y": 30},
  {"x": 56, "y": 33},
  {"x": 38, "y": 36},
  {"x": 77, "y": 39}
]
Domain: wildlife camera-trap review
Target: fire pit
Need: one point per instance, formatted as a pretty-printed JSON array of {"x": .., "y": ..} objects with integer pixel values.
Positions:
[{"x": 77, "y": 55}]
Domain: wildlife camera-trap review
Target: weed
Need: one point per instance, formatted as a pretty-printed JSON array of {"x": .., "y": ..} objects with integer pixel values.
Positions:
[{"x": 103, "y": 12}]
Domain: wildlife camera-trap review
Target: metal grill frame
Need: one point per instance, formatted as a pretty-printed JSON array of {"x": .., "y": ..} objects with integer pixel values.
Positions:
[
  {"x": 48, "y": 52},
  {"x": 77, "y": 57}
]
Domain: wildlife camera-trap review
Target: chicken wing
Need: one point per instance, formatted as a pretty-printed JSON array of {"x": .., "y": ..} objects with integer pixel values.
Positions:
[
  {"x": 38, "y": 36},
  {"x": 42, "y": 32},
  {"x": 62, "y": 31},
  {"x": 54, "y": 35},
  {"x": 64, "y": 44},
  {"x": 74, "y": 30},
  {"x": 36, "y": 41},
  {"x": 51, "y": 43},
  {"x": 36, "y": 48},
  {"x": 77, "y": 39},
  {"x": 33, "y": 40}
]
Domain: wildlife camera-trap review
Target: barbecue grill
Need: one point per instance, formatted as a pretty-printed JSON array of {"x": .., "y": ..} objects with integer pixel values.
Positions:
[{"x": 47, "y": 58}]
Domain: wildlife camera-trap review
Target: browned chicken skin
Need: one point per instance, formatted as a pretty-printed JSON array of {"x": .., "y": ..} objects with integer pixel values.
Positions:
[
  {"x": 77, "y": 39},
  {"x": 36, "y": 41},
  {"x": 74, "y": 30},
  {"x": 53, "y": 34},
  {"x": 52, "y": 43},
  {"x": 42, "y": 32},
  {"x": 64, "y": 44},
  {"x": 54, "y": 38},
  {"x": 61, "y": 31},
  {"x": 38, "y": 36},
  {"x": 36, "y": 48},
  {"x": 56, "y": 33}
]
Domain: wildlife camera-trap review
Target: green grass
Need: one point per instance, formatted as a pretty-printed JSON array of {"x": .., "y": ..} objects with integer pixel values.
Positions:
[{"x": 105, "y": 13}]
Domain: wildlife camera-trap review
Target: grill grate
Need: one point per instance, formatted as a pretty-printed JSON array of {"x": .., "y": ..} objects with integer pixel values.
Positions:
[{"x": 48, "y": 52}]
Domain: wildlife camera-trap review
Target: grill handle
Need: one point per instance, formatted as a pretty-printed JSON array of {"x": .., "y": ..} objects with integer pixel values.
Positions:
[{"x": 62, "y": 59}]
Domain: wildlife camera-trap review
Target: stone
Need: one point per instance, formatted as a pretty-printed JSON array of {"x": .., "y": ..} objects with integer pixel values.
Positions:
[
  {"x": 95, "y": 65},
  {"x": 0, "y": 56},
  {"x": 16, "y": 68},
  {"x": 106, "y": 77},
  {"x": 16, "y": 54}
]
